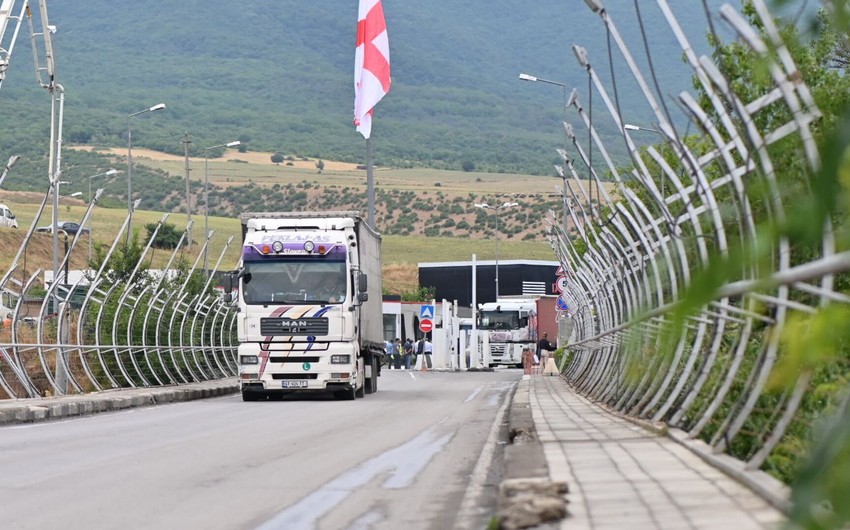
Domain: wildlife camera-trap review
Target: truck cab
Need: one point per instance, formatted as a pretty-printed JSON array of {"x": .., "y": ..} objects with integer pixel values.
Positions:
[{"x": 306, "y": 283}]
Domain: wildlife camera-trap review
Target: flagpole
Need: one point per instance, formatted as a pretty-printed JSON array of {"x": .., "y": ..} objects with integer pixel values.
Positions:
[{"x": 370, "y": 186}]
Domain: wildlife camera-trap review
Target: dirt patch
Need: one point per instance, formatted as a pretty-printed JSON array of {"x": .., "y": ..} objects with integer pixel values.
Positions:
[{"x": 250, "y": 157}]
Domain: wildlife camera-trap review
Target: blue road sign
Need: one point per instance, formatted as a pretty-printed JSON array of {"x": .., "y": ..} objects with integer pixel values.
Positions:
[
  {"x": 426, "y": 312},
  {"x": 562, "y": 304}
]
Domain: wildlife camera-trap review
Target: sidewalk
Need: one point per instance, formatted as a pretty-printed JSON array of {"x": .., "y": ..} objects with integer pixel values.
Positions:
[
  {"x": 14, "y": 411},
  {"x": 622, "y": 475}
]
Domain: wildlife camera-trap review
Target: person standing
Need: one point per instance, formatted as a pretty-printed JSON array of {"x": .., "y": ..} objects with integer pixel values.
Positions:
[
  {"x": 397, "y": 354},
  {"x": 408, "y": 353},
  {"x": 427, "y": 350},
  {"x": 543, "y": 349}
]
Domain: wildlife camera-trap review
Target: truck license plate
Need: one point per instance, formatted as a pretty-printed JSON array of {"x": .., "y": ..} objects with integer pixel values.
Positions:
[{"x": 293, "y": 384}]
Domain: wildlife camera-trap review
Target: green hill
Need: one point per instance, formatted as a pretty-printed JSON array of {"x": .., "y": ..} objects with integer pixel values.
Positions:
[{"x": 279, "y": 77}]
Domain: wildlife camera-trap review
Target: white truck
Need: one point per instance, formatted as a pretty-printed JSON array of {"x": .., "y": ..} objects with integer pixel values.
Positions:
[
  {"x": 513, "y": 324},
  {"x": 309, "y": 299}
]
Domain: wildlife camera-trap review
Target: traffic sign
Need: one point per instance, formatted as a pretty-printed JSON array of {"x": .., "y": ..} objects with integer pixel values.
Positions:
[
  {"x": 561, "y": 284},
  {"x": 425, "y": 326},
  {"x": 562, "y": 304},
  {"x": 426, "y": 312}
]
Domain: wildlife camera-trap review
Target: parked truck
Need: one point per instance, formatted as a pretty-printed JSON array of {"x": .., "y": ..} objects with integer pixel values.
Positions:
[
  {"x": 513, "y": 324},
  {"x": 309, "y": 299}
]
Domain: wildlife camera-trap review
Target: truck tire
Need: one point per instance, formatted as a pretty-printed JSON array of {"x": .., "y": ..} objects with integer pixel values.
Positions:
[
  {"x": 371, "y": 383},
  {"x": 250, "y": 396}
]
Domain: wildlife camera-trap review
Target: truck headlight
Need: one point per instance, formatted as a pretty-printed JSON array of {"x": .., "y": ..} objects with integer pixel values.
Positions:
[
  {"x": 340, "y": 359},
  {"x": 248, "y": 359}
]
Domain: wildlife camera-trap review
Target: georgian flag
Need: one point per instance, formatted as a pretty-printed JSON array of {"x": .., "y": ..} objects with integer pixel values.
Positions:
[{"x": 371, "y": 64}]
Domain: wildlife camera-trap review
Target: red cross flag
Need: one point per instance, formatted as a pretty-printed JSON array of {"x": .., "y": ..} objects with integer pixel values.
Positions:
[{"x": 371, "y": 64}]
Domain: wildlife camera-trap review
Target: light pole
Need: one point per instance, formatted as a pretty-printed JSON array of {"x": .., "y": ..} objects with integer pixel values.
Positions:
[
  {"x": 207, "y": 197},
  {"x": 497, "y": 209},
  {"x": 567, "y": 99},
  {"x": 631, "y": 127},
  {"x": 158, "y": 106},
  {"x": 108, "y": 173},
  {"x": 9, "y": 165}
]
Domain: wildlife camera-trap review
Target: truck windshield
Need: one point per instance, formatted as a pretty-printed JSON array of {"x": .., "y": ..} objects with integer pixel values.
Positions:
[
  {"x": 499, "y": 320},
  {"x": 294, "y": 282}
]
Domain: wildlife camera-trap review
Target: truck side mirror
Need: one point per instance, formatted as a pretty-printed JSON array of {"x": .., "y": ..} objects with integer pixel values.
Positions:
[
  {"x": 362, "y": 284},
  {"x": 230, "y": 278},
  {"x": 363, "y": 297}
]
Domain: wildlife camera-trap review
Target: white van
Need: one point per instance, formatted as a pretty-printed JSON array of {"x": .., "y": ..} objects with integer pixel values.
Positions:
[{"x": 7, "y": 217}]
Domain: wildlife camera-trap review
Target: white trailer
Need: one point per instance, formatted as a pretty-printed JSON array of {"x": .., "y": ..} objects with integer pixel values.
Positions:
[{"x": 309, "y": 298}]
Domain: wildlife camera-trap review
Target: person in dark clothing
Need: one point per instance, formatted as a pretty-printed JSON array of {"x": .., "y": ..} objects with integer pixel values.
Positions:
[
  {"x": 397, "y": 353},
  {"x": 543, "y": 348},
  {"x": 408, "y": 353}
]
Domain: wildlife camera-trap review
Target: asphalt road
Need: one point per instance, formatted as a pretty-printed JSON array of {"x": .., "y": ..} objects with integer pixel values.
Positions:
[{"x": 422, "y": 453}]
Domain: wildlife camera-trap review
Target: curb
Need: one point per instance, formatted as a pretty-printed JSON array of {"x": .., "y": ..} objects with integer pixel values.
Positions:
[
  {"x": 22, "y": 411},
  {"x": 527, "y": 496}
]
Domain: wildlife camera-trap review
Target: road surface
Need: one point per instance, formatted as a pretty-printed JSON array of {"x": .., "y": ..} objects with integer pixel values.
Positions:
[{"x": 422, "y": 453}]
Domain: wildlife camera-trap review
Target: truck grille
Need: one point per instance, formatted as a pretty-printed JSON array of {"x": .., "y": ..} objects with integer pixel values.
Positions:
[
  {"x": 298, "y": 360},
  {"x": 497, "y": 349},
  {"x": 271, "y": 327}
]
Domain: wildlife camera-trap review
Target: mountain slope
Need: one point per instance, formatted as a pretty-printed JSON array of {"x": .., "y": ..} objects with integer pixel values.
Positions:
[{"x": 279, "y": 76}]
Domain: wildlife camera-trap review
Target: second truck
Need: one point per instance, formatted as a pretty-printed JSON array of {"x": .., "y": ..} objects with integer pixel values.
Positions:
[
  {"x": 513, "y": 324},
  {"x": 309, "y": 299}
]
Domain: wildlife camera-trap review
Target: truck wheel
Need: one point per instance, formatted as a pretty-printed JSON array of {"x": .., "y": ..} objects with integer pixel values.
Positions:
[
  {"x": 250, "y": 396},
  {"x": 371, "y": 383}
]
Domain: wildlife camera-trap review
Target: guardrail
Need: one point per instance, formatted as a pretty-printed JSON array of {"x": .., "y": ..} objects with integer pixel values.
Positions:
[{"x": 709, "y": 292}]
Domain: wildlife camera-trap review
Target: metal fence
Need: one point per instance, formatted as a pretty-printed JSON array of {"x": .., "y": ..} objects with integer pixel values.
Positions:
[
  {"x": 109, "y": 330},
  {"x": 685, "y": 283}
]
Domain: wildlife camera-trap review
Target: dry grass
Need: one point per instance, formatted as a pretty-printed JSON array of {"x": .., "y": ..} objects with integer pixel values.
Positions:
[{"x": 400, "y": 253}]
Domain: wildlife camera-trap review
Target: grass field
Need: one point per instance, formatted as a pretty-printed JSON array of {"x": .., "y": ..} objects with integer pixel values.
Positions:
[{"x": 400, "y": 253}]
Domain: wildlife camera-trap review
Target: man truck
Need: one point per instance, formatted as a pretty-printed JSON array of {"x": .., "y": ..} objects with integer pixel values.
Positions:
[
  {"x": 309, "y": 300},
  {"x": 514, "y": 324}
]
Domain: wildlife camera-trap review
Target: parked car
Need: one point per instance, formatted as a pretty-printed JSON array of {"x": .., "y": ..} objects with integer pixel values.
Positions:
[
  {"x": 68, "y": 227},
  {"x": 7, "y": 217}
]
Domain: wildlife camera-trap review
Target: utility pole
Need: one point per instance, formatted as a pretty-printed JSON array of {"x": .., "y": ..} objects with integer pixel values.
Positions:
[{"x": 186, "y": 143}]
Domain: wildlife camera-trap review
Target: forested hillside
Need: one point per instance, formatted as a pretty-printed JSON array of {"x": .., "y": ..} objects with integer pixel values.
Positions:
[{"x": 279, "y": 77}]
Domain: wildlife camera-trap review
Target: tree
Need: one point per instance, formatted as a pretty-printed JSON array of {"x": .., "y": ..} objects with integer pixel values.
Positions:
[
  {"x": 167, "y": 237},
  {"x": 320, "y": 165},
  {"x": 277, "y": 158},
  {"x": 468, "y": 166}
]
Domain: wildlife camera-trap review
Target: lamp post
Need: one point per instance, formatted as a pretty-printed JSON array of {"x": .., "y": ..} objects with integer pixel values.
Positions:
[
  {"x": 497, "y": 209},
  {"x": 632, "y": 127},
  {"x": 207, "y": 195},
  {"x": 9, "y": 165},
  {"x": 567, "y": 99},
  {"x": 108, "y": 173},
  {"x": 158, "y": 106}
]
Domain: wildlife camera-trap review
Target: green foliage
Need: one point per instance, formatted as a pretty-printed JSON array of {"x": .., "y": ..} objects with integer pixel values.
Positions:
[
  {"x": 168, "y": 236},
  {"x": 277, "y": 158},
  {"x": 422, "y": 294}
]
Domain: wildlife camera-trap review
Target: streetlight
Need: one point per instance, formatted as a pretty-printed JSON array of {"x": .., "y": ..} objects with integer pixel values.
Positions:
[
  {"x": 108, "y": 173},
  {"x": 207, "y": 196},
  {"x": 158, "y": 106},
  {"x": 632, "y": 127},
  {"x": 105, "y": 174},
  {"x": 503, "y": 206},
  {"x": 567, "y": 101},
  {"x": 9, "y": 165}
]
